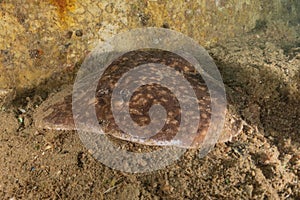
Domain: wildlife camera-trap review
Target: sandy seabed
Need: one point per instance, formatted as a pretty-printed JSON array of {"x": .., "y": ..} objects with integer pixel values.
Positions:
[{"x": 262, "y": 77}]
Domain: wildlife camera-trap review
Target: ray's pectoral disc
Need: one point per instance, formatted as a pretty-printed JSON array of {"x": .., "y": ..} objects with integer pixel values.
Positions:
[
  {"x": 144, "y": 104},
  {"x": 147, "y": 96}
]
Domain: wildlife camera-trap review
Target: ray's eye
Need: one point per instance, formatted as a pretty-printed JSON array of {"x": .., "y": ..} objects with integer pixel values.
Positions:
[{"x": 125, "y": 94}]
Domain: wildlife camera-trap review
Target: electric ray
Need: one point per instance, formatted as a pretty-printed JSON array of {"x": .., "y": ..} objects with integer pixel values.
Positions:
[{"x": 56, "y": 111}]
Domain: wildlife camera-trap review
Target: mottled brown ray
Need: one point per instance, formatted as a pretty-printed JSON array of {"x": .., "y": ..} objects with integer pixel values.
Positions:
[{"x": 56, "y": 111}]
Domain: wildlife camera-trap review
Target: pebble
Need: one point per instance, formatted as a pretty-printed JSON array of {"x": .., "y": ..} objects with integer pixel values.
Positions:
[{"x": 79, "y": 33}]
